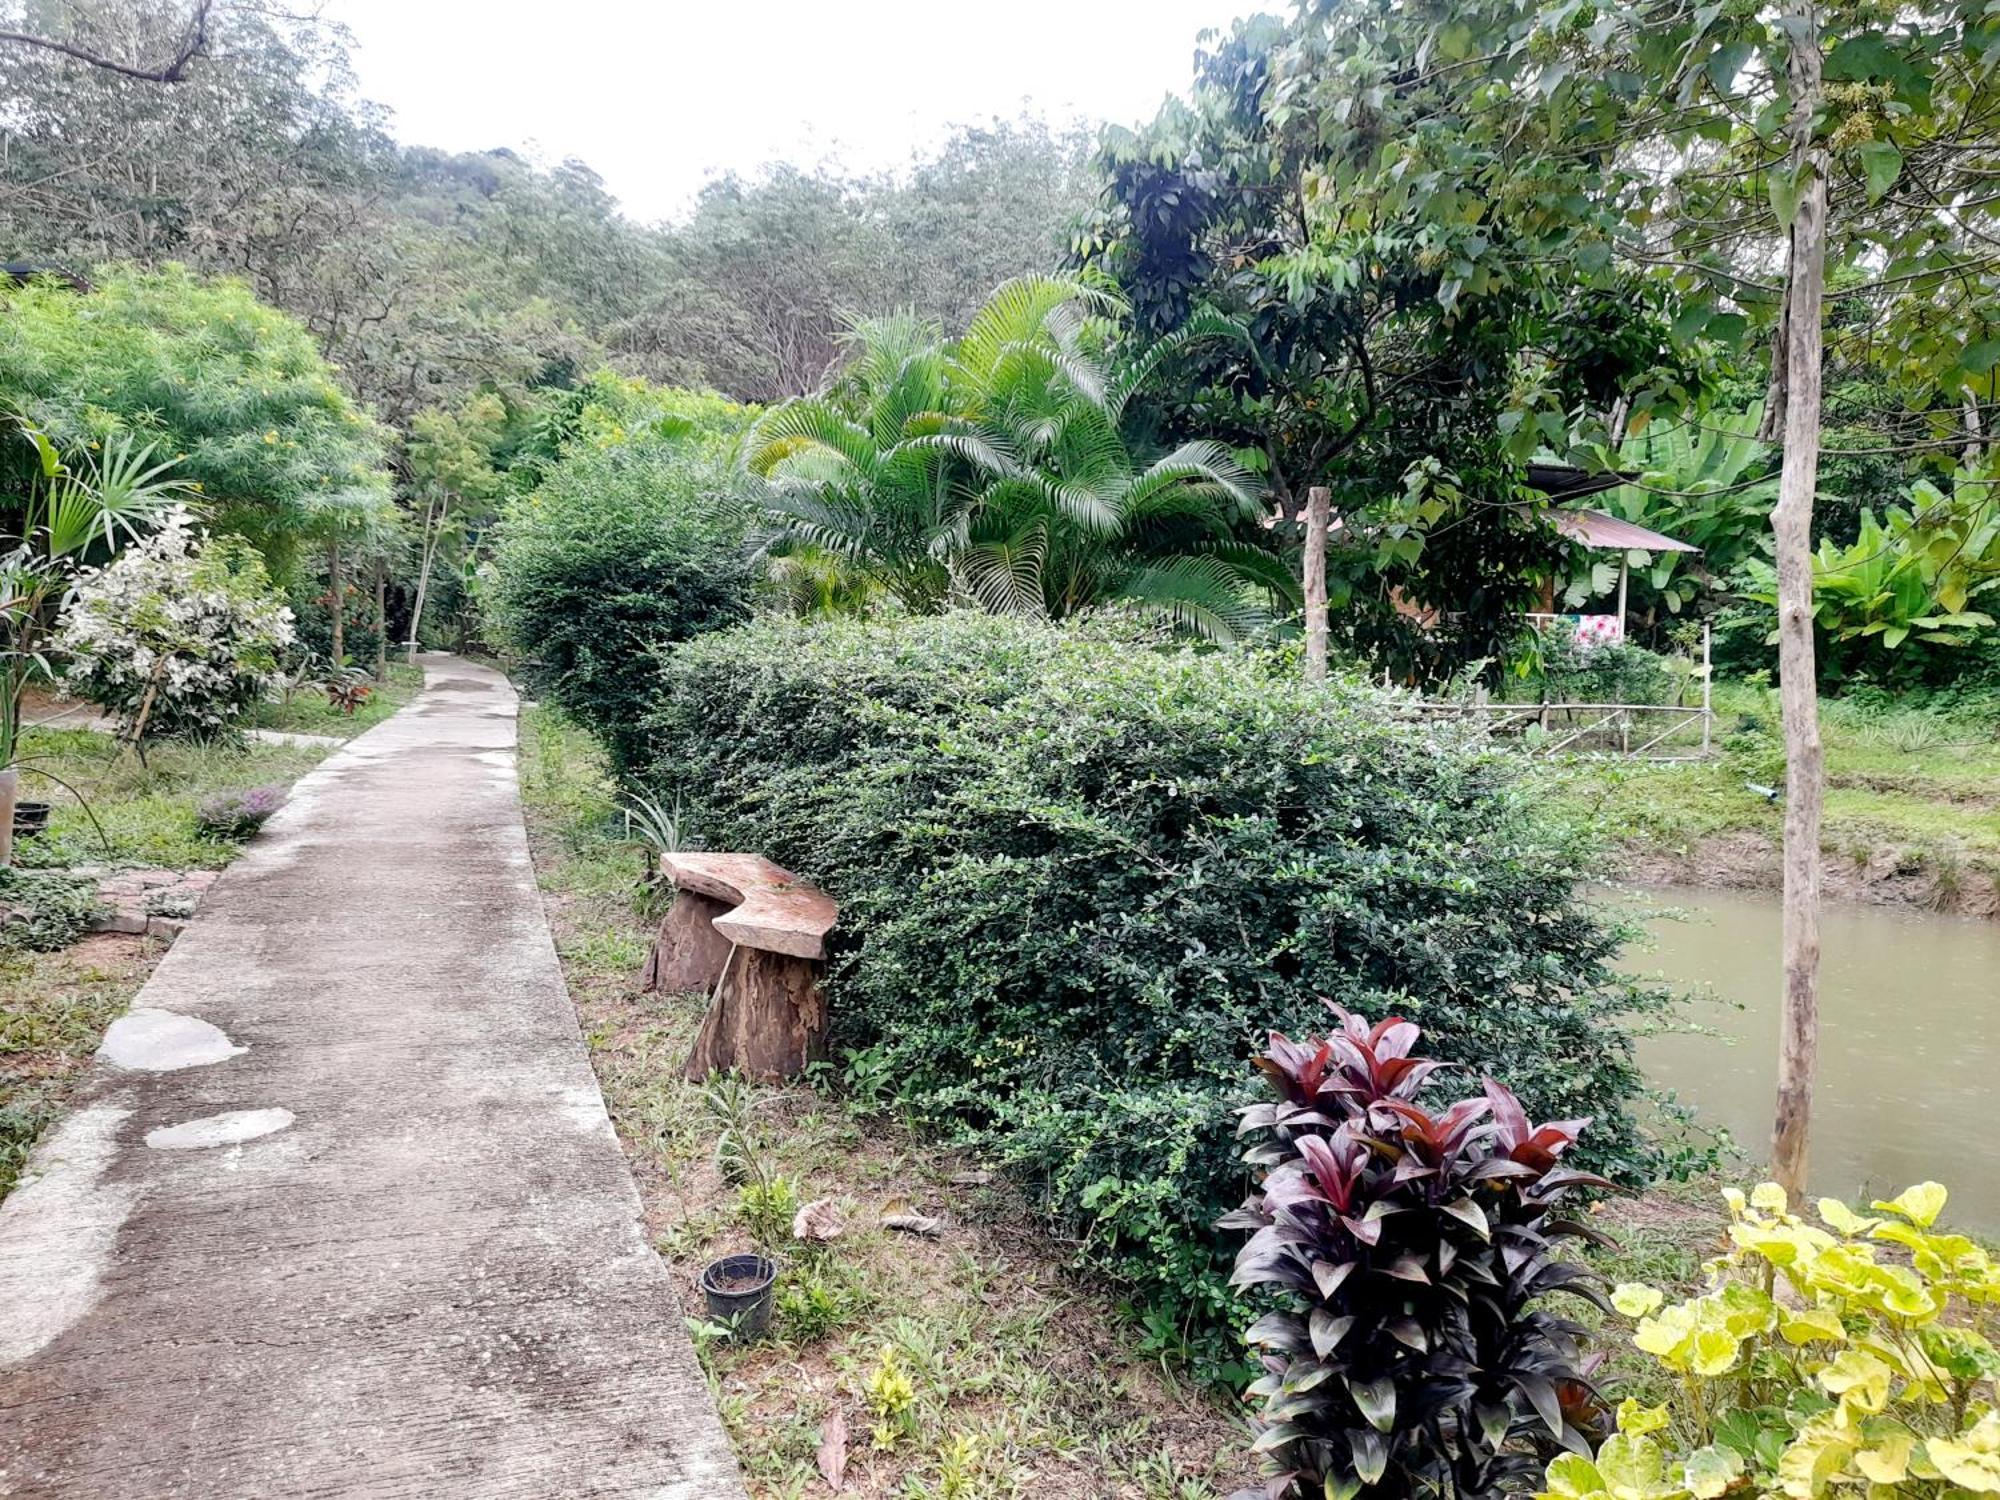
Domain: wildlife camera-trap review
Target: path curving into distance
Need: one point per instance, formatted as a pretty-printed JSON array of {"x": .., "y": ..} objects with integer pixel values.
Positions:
[{"x": 339, "y": 1212}]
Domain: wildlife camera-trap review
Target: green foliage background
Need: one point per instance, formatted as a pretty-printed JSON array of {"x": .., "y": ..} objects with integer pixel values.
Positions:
[
  {"x": 233, "y": 390},
  {"x": 634, "y": 541}
]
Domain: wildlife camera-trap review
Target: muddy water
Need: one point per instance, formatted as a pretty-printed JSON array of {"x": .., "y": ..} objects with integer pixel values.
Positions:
[{"x": 1909, "y": 1081}]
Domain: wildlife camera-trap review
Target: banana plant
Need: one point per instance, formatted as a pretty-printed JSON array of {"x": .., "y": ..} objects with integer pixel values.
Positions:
[
  {"x": 1916, "y": 573},
  {"x": 1707, "y": 483}
]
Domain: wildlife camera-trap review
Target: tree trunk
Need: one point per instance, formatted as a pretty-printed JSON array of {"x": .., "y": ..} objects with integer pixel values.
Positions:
[
  {"x": 434, "y": 516},
  {"x": 381, "y": 620},
  {"x": 336, "y": 590},
  {"x": 1798, "y": 676},
  {"x": 1319, "y": 505}
]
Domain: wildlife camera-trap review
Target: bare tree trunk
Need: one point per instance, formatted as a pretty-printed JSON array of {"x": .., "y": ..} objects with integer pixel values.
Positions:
[
  {"x": 381, "y": 620},
  {"x": 1798, "y": 676},
  {"x": 434, "y": 517},
  {"x": 1319, "y": 505},
  {"x": 336, "y": 591}
]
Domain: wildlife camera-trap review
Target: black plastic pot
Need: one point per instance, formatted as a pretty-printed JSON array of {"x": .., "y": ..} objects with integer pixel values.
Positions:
[
  {"x": 30, "y": 818},
  {"x": 738, "y": 1291}
]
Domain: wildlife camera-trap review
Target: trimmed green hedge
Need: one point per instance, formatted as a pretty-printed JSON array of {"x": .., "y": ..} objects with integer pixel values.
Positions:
[
  {"x": 1081, "y": 876},
  {"x": 626, "y": 548}
]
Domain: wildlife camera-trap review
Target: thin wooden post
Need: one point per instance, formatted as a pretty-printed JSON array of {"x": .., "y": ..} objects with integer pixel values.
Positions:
[
  {"x": 1624, "y": 567},
  {"x": 381, "y": 619},
  {"x": 1319, "y": 508},
  {"x": 336, "y": 590},
  {"x": 1707, "y": 688}
]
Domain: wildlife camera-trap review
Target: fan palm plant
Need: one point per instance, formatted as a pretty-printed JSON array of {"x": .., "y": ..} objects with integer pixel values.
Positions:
[{"x": 993, "y": 472}]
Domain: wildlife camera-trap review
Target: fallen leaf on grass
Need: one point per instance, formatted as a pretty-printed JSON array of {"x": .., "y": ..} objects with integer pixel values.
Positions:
[
  {"x": 819, "y": 1221},
  {"x": 833, "y": 1449},
  {"x": 929, "y": 1228}
]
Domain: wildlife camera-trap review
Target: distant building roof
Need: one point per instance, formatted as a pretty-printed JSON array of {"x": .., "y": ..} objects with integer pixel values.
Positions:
[
  {"x": 1567, "y": 482},
  {"x": 1607, "y": 533}
]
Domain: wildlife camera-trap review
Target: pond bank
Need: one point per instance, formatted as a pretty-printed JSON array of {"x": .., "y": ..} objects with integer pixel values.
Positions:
[
  {"x": 1920, "y": 878},
  {"x": 1912, "y": 806}
]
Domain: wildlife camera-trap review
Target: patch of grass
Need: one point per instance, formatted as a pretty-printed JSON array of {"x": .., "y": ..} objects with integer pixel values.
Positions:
[
  {"x": 1907, "y": 787},
  {"x": 307, "y": 711},
  {"x": 144, "y": 813},
  {"x": 1022, "y": 1382},
  {"x": 53, "y": 1010}
]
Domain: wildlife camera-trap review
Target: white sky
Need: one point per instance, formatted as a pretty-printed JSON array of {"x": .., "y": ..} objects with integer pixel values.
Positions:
[{"x": 660, "y": 96}]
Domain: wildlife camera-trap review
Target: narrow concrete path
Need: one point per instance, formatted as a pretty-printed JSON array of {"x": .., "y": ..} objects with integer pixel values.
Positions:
[{"x": 339, "y": 1212}]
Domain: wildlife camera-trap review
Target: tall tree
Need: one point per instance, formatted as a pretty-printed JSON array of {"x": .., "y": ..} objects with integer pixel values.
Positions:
[
  {"x": 158, "y": 53},
  {"x": 1428, "y": 280}
]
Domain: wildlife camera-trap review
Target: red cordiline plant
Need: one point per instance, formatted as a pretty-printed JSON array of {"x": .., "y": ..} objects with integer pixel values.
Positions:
[{"x": 1410, "y": 1250}]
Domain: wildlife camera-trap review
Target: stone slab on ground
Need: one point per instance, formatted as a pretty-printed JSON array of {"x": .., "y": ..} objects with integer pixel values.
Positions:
[
  {"x": 339, "y": 1212},
  {"x": 159, "y": 902}
]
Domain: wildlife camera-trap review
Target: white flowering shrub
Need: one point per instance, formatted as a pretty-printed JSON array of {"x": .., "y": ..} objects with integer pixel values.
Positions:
[{"x": 178, "y": 635}]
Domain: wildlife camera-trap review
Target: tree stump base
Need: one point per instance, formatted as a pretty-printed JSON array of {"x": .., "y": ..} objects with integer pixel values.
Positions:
[
  {"x": 767, "y": 1022},
  {"x": 752, "y": 936}
]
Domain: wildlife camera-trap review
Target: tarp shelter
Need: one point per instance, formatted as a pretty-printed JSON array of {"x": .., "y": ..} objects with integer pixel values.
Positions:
[{"x": 1601, "y": 532}]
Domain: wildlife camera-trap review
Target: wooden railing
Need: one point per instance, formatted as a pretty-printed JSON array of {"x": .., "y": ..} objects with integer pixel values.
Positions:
[{"x": 1638, "y": 730}]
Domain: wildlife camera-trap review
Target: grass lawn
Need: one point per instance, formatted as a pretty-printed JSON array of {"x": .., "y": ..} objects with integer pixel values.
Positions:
[
  {"x": 307, "y": 711},
  {"x": 1022, "y": 1381},
  {"x": 53, "y": 1009},
  {"x": 1912, "y": 794}
]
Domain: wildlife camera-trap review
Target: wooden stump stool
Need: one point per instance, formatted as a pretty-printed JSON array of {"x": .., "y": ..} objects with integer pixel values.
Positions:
[{"x": 754, "y": 937}]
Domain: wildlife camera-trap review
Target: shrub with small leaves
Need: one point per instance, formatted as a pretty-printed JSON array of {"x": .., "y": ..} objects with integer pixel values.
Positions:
[
  {"x": 237, "y": 815},
  {"x": 1851, "y": 1359},
  {"x": 1081, "y": 872},
  {"x": 1410, "y": 1251},
  {"x": 43, "y": 910}
]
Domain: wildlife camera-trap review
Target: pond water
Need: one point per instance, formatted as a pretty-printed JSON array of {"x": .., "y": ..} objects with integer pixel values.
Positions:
[{"x": 1909, "y": 1048}]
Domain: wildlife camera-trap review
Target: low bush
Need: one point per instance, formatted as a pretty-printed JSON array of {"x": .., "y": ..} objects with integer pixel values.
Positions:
[
  {"x": 180, "y": 634},
  {"x": 237, "y": 815},
  {"x": 1081, "y": 875},
  {"x": 625, "y": 548},
  {"x": 43, "y": 910},
  {"x": 1413, "y": 1253},
  {"x": 1574, "y": 671},
  {"x": 1851, "y": 1358}
]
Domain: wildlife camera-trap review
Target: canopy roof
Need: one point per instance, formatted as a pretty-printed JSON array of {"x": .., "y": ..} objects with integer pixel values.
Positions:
[{"x": 1607, "y": 533}]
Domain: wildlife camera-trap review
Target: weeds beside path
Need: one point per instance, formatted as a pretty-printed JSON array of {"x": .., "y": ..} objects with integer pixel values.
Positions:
[{"x": 1021, "y": 1382}]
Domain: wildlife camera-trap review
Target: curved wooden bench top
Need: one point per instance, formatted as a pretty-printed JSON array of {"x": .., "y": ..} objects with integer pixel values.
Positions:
[{"x": 775, "y": 911}]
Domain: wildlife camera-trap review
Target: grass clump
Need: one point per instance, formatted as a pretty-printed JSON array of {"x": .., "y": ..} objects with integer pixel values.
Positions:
[{"x": 44, "y": 910}]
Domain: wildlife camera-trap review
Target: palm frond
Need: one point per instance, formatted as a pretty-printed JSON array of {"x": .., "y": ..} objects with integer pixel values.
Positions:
[
  {"x": 1201, "y": 327},
  {"x": 1199, "y": 595}
]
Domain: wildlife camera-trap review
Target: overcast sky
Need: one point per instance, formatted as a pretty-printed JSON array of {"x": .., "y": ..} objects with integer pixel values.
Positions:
[{"x": 660, "y": 96}]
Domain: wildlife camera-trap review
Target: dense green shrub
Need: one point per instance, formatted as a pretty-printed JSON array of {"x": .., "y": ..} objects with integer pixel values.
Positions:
[
  {"x": 1081, "y": 877},
  {"x": 1608, "y": 672},
  {"x": 627, "y": 547}
]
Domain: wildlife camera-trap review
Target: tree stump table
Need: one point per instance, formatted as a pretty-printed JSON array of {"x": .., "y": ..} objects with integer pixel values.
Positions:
[{"x": 753, "y": 937}]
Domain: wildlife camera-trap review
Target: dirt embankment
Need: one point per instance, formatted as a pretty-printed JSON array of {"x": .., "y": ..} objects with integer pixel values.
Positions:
[{"x": 1884, "y": 875}]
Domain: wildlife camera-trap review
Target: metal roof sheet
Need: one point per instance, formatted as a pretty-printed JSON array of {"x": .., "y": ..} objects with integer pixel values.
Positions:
[{"x": 1607, "y": 533}]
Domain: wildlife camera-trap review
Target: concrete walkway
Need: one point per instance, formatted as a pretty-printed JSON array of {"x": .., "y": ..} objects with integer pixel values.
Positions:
[{"x": 339, "y": 1212}]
